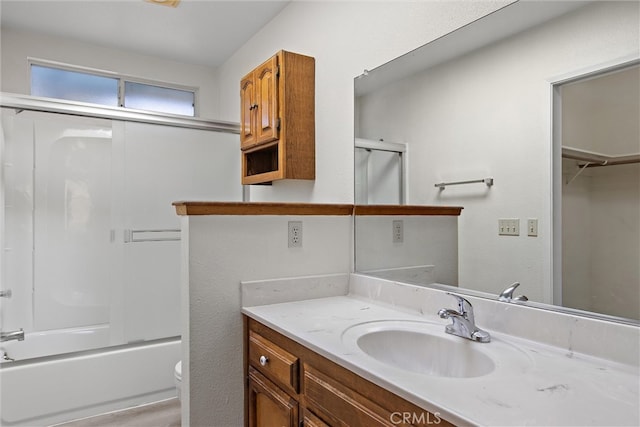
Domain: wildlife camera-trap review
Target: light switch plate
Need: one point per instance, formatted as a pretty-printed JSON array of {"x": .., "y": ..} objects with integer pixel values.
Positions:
[{"x": 509, "y": 227}]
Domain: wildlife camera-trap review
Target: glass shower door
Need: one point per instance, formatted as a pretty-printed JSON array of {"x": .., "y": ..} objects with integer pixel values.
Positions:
[{"x": 73, "y": 254}]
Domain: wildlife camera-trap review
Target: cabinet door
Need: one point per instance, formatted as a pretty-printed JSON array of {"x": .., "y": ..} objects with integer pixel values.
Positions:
[
  {"x": 248, "y": 106},
  {"x": 266, "y": 81},
  {"x": 268, "y": 405}
]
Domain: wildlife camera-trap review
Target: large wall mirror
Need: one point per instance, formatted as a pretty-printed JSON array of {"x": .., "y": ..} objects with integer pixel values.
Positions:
[{"x": 541, "y": 97}]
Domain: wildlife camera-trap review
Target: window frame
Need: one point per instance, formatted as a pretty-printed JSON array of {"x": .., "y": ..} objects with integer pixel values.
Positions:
[{"x": 122, "y": 79}]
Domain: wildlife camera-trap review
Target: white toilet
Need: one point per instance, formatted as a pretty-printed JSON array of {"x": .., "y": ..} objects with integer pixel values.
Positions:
[{"x": 178, "y": 379}]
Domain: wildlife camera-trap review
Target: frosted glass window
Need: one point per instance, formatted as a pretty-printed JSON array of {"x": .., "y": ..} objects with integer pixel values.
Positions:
[
  {"x": 155, "y": 98},
  {"x": 73, "y": 85}
]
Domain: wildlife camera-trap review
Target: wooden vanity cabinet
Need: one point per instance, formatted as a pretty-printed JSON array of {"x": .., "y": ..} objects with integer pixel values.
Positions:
[
  {"x": 268, "y": 404},
  {"x": 277, "y": 119},
  {"x": 291, "y": 385}
]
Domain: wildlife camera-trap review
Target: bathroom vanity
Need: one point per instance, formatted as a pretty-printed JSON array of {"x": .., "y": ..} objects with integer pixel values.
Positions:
[
  {"x": 316, "y": 361},
  {"x": 288, "y": 384}
]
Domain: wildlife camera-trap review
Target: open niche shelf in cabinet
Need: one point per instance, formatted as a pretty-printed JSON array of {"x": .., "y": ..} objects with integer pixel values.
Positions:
[{"x": 277, "y": 123}]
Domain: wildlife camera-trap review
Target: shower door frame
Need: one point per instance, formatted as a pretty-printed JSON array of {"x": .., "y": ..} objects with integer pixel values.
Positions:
[{"x": 21, "y": 103}]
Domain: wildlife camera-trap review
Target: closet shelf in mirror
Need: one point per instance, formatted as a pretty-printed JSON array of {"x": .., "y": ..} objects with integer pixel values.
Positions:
[
  {"x": 594, "y": 159},
  {"x": 406, "y": 210}
]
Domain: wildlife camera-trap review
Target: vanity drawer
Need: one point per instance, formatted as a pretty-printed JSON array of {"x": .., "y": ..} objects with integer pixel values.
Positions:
[
  {"x": 340, "y": 404},
  {"x": 274, "y": 362}
]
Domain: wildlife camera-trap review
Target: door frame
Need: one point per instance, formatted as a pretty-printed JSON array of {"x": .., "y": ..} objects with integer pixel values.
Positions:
[{"x": 556, "y": 84}]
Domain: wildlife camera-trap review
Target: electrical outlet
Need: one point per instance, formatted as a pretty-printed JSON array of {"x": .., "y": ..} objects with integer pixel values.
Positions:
[
  {"x": 509, "y": 227},
  {"x": 532, "y": 227},
  {"x": 295, "y": 234},
  {"x": 398, "y": 231}
]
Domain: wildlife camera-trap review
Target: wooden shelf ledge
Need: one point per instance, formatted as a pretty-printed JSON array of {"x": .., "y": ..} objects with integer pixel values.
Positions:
[
  {"x": 259, "y": 208},
  {"x": 265, "y": 208},
  {"x": 371, "y": 210}
]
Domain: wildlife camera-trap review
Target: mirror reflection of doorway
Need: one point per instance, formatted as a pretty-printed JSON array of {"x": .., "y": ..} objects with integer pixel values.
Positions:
[
  {"x": 379, "y": 172},
  {"x": 598, "y": 127}
]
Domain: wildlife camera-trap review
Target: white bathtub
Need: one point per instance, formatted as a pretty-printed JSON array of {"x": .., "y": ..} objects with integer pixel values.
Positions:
[
  {"x": 49, "y": 390},
  {"x": 60, "y": 341}
]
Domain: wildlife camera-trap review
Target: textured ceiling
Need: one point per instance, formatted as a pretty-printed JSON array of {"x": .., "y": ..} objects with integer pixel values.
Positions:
[{"x": 204, "y": 32}]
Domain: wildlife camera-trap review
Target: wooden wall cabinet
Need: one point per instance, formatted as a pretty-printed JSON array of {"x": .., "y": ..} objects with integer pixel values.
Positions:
[
  {"x": 290, "y": 385},
  {"x": 277, "y": 120}
]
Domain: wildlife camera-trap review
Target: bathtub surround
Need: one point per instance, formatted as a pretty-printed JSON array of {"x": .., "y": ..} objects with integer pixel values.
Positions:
[{"x": 574, "y": 370}]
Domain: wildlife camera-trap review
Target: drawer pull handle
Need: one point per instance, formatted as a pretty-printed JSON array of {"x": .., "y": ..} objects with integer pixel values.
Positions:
[{"x": 264, "y": 360}]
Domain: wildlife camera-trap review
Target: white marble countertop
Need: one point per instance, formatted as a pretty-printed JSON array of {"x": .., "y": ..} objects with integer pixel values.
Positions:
[{"x": 550, "y": 387}]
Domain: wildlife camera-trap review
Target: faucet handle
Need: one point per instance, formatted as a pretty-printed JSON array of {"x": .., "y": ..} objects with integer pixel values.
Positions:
[
  {"x": 464, "y": 306},
  {"x": 507, "y": 294}
]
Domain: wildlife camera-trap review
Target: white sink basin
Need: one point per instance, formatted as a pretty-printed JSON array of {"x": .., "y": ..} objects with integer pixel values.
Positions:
[{"x": 424, "y": 348}]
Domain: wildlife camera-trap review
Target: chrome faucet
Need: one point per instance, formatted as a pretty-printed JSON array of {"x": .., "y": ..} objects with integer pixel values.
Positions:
[
  {"x": 464, "y": 324},
  {"x": 9, "y": 336},
  {"x": 507, "y": 294}
]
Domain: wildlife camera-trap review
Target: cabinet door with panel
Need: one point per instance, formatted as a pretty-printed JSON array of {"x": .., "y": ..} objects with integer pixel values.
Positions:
[
  {"x": 268, "y": 405},
  {"x": 267, "y": 112},
  {"x": 247, "y": 117},
  {"x": 259, "y": 105}
]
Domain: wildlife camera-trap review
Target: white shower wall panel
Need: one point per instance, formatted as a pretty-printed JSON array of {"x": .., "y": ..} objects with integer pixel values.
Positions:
[
  {"x": 73, "y": 254},
  {"x": 18, "y": 227}
]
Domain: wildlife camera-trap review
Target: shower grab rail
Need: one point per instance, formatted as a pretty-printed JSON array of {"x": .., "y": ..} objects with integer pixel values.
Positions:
[
  {"x": 488, "y": 181},
  {"x": 152, "y": 235}
]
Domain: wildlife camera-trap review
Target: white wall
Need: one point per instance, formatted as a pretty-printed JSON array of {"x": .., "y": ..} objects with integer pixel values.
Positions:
[
  {"x": 490, "y": 115},
  {"x": 18, "y": 46},
  {"x": 345, "y": 38},
  {"x": 427, "y": 240},
  {"x": 222, "y": 252}
]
